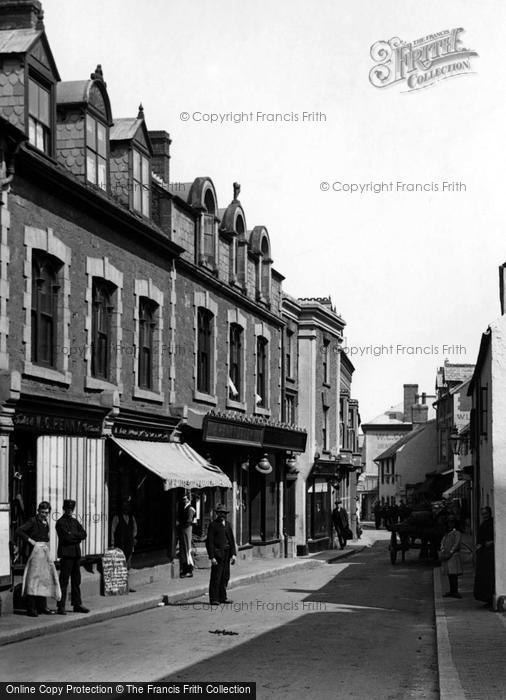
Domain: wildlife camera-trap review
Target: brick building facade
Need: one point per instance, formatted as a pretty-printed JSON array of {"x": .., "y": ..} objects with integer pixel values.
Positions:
[{"x": 137, "y": 321}]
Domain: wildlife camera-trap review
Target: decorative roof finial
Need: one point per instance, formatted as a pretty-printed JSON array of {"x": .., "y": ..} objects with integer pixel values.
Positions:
[
  {"x": 98, "y": 73},
  {"x": 237, "y": 190},
  {"x": 40, "y": 20},
  {"x": 140, "y": 114}
]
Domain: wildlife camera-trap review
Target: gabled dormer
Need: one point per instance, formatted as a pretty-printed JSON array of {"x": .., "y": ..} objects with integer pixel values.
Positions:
[
  {"x": 131, "y": 153},
  {"x": 28, "y": 74},
  {"x": 233, "y": 229},
  {"x": 83, "y": 122}
]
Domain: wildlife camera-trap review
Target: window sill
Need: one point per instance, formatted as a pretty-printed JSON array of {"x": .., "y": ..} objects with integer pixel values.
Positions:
[
  {"x": 95, "y": 384},
  {"x": 327, "y": 385},
  {"x": 146, "y": 395},
  {"x": 51, "y": 375},
  {"x": 259, "y": 411},
  {"x": 290, "y": 380},
  {"x": 236, "y": 405},
  {"x": 204, "y": 398}
]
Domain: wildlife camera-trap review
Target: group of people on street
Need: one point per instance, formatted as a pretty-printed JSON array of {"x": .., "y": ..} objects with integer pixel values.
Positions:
[
  {"x": 451, "y": 560},
  {"x": 40, "y": 579}
]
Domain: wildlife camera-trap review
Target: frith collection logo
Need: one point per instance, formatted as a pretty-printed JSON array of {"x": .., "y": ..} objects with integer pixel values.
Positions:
[{"x": 420, "y": 63}]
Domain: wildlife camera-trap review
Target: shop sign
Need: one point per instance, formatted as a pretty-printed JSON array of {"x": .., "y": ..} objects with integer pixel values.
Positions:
[
  {"x": 57, "y": 424},
  {"x": 139, "y": 433},
  {"x": 232, "y": 432}
]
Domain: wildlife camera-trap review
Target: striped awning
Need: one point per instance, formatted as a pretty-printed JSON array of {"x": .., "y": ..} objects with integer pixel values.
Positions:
[{"x": 178, "y": 465}]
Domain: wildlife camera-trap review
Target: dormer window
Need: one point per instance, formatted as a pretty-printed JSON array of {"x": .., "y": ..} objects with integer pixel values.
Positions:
[
  {"x": 39, "y": 116},
  {"x": 141, "y": 183},
  {"x": 96, "y": 152}
]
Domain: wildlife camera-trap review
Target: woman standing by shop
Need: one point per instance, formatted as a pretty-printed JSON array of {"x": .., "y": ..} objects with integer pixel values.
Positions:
[{"x": 40, "y": 578}]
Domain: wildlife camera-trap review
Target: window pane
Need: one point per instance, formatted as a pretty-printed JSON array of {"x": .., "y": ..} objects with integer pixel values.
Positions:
[
  {"x": 102, "y": 173},
  {"x": 145, "y": 201},
  {"x": 44, "y": 106},
  {"x": 33, "y": 98},
  {"x": 32, "y": 130},
  {"x": 137, "y": 165},
  {"x": 39, "y": 136},
  {"x": 145, "y": 171},
  {"x": 91, "y": 167},
  {"x": 137, "y": 196},
  {"x": 101, "y": 140},
  {"x": 90, "y": 133}
]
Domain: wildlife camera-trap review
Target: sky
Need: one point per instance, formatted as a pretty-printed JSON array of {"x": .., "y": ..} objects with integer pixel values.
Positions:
[{"x": 413, "y": 273}]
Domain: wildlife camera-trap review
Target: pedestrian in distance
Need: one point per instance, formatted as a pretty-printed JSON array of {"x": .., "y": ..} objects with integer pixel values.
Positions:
[
  {"x": 184, "y": 531},
  {"x": 221, "y": 549},
  {"x": 340, "y": 521},
  {"x": 40, "y": 579},
  {"x": 484, "y": 578},
  {"x": 451, "y": 565},
  {"x": 124, "y": 533},
  {"x": 377, "y": 515},
  {"x": 70, "y": 535}
]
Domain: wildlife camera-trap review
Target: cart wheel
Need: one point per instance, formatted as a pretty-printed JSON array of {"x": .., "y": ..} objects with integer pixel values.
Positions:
[{"x": 393, "y": 548}]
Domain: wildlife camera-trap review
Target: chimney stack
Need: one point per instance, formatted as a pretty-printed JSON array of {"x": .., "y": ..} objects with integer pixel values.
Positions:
[
  {"x": 410, "y": 392},
  {"x": 420, "y": 413},
  {"x": 160, "y": 140},
  {"x": 21, "y": 14}
]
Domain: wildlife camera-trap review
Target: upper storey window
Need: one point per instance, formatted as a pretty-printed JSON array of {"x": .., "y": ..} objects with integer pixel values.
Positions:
[
  {"x": 96, "y": 152},
  {"x": 141, "y": 183},
  {"x": 39, "y": 116},
  {"x": 209, "y": 228}
]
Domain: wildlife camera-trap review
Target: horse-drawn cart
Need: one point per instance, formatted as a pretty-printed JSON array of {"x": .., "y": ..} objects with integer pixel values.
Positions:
[{"x": 422, "y": 530}]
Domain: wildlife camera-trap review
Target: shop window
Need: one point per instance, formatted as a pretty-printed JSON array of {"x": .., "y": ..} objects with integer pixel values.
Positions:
[
  {"x": 45, "y": 293},
  {"x": 141, "y": 183},
  {"x": 101, "y": 329},
  {"x": 96, "y": 152},
  {"x": 39, "y": 116},
  {"x": 261, "y": 397},
  {"x": 147, "y": 328},
  {"x": 204, "y": 350},
  {"x": 235, "y": 362}
]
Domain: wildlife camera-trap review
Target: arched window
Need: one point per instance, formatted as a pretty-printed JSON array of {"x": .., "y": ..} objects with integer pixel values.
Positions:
[
  {"x": 147, "y": 328},
  {"x": 265, "y": 280},
  {"x": 209, "y": 228},
  {"x": 45, "y": 290},
  {"x": 101, "y": 328}
]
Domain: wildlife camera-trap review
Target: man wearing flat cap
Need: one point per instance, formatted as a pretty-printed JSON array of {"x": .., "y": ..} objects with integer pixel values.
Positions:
[
  {"x": 220, "y": 545},
  {"x": 70, "y": 535}
]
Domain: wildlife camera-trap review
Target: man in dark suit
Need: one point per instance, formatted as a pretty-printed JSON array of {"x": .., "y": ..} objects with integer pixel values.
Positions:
[
  {"x": 70, "y": 535},
  {"x": 220, "y": 545}
]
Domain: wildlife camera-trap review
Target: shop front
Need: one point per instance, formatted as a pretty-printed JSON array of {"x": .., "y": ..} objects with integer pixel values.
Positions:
[
  {"x": 151, "y": 469},
  {"x": 257, "y": 455}
]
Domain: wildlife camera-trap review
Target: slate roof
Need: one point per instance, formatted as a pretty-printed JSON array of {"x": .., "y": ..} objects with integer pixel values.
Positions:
[
  {"x": 124, "y": 128},
  {"x": 72, "y": 91},
  {"x": 18, "y": 40}
]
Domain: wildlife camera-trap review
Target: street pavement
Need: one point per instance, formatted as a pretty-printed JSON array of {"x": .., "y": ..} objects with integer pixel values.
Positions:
[{"x": 362, "y": 627}]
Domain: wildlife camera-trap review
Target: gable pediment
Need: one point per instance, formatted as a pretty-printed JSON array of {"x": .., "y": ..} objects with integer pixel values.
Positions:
[{"x": 42, "y": 58}]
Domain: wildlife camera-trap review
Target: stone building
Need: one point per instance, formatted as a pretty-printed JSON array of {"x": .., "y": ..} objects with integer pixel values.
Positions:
[{"x": 141, "y": 332}]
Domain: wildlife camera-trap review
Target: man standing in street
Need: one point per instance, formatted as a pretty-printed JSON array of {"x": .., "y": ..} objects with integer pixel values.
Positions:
[
  {"x": 340, "y": 520},
  {"x": 70, "y": 535},
  {"x": 220, "y": 545},
  {"x": 185, "y": 526}
]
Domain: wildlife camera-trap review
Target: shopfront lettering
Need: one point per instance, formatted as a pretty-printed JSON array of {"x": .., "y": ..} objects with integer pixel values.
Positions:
[{"x": 57, "y": 424}]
